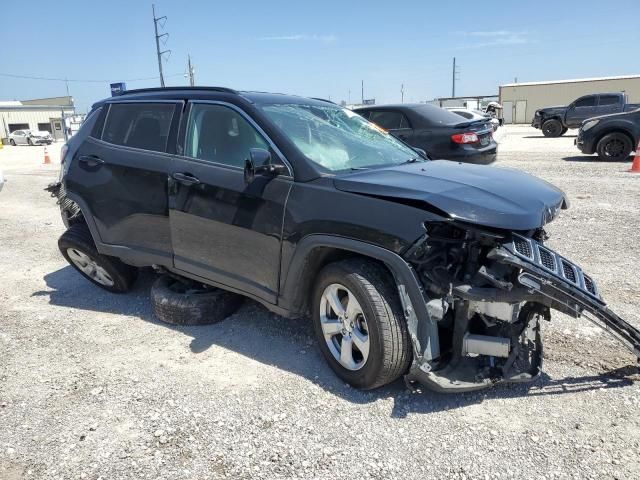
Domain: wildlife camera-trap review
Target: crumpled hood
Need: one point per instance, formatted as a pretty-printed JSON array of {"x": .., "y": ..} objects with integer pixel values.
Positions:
[{"x": 489, "y": 196}]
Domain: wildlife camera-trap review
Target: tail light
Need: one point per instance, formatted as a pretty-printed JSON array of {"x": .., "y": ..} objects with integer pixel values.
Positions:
[{"x": 464, "y": 137}]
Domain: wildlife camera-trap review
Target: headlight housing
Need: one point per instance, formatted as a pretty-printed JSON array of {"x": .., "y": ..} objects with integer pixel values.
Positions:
[{"x": 589, "y": 124}]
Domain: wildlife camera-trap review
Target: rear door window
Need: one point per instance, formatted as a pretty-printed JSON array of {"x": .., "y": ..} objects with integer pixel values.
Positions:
[
  {"x": 389, "y": 119},
  {"x": 139, "y": 125},
  {"x": 607, "y": 100}
]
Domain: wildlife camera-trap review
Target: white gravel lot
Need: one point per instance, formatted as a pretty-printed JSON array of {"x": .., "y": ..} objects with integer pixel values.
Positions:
[{"x": 93, "y": 387}]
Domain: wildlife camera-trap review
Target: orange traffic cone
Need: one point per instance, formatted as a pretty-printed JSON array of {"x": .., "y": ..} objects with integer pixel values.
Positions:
[
  {"x": 47, "y": 160},
  {"x": 635, "y": 166}
]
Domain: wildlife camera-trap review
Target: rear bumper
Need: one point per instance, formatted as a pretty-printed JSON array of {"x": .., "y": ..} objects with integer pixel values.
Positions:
[{"x": 483, "y": 156}]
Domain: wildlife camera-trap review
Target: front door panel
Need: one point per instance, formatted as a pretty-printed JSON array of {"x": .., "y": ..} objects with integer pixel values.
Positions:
[
  {"x": 227, "y": 231},
  {"x": 222, "y": 228}
]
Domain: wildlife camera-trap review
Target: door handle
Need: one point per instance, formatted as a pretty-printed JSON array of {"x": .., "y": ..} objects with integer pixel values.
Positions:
[
  {"x": 186, "y": 179},
  {"x": 91, "y": 160}
]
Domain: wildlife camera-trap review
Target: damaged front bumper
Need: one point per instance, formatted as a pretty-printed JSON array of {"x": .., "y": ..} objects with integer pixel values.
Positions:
[{"x": 486, "y": 305}]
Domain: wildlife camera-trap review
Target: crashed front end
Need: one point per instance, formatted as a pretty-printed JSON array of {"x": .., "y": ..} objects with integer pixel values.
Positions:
[{"x": 486, "y": 293}]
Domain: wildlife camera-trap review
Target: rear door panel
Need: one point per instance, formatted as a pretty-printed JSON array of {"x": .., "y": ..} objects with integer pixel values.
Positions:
[{"x": 126, "y": 191}]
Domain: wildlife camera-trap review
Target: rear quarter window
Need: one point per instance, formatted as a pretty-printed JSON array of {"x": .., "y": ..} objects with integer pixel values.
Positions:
[{"x": 139, "y": 125}]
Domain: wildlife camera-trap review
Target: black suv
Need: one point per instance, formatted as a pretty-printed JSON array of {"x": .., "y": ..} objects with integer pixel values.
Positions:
[
  {"x": 612, "y": 137},
  {"x": 440, "y": 133},
  {"x": 432, "y": 269}
]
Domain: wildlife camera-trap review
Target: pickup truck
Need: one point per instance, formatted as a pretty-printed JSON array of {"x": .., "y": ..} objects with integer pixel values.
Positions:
[
  {"x": 555, "y": 121},
  {"x": 612, "y": 137}
]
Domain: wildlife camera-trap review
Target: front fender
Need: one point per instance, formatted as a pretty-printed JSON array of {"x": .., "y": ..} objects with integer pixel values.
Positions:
[{"x": 423, "y": 331}]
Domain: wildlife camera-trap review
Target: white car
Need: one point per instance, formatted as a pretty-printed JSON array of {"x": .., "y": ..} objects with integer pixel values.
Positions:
[
  {"x": 27, "y": 137},
  {"x": 471, "y": 114}
]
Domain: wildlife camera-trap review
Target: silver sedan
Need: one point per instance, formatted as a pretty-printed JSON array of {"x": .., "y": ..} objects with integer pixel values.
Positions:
[{"x": 27, "y": 137}]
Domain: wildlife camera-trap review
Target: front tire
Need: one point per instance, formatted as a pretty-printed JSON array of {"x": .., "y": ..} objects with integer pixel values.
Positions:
[
  {"x": 614, "y": 147},
  {"x": 109, "y": 273},
  {"x": 553, "y": 128},
  {"x": 359, "y": 323},
  {"x": 12, "y": 142}
]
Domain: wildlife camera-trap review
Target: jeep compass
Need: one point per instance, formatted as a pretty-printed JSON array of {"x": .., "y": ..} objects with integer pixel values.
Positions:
[{"x": 430, "y": 269}]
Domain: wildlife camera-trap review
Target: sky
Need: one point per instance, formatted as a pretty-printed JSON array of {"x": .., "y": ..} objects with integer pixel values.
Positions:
[{"x": 313, "y": 48}]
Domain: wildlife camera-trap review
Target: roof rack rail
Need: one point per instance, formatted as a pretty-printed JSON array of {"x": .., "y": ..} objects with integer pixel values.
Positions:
[{"x": 164, "y": 89}]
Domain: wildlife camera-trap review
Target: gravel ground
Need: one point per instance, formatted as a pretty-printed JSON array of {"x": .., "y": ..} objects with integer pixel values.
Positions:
[{"x": 92, "y": 386}]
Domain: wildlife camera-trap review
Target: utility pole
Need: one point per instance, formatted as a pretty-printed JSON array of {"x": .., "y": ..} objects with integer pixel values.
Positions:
[
  {"x": 402, "y": 93},
  {"x": 159, "y": 53},
  {"x": 362, "y": 93},
  {"x": 192, "y": 72},
  {"x": 453, "y": 78}
]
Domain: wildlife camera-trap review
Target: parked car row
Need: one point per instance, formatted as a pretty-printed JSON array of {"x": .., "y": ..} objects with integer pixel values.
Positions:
[
  {"x": 434, "y": 270},
  {"x": 29, "y": 137},
  {"x": 608, "y": 125}
]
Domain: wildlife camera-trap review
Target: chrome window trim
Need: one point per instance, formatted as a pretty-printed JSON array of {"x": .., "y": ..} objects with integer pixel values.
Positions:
[
  {"x": 250, "y": 120},
  {"x": 132, "y": 149}
]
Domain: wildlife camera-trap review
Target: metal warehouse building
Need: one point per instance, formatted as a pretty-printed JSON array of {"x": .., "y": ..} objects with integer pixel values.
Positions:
[
  {"x": 40, "y": 114},
  {"x": 521, "y": 100}
]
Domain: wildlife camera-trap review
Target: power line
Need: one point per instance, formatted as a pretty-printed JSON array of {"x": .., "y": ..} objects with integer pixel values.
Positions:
[{"x": 54, "y": 79}]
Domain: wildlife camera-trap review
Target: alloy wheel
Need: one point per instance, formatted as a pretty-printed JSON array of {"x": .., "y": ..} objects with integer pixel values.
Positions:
[
  {"x": 552, "y": 129},
  {"x": 614, "y": 148},
  {"x": 90, "y": 267},
  {"x": 344, "y": 327}
]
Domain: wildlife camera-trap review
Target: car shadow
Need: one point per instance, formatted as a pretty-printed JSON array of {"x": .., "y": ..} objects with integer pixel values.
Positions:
[
  {"x": 289, "y": 344},
  {"x": 542, "y": 136},
  {"x": 594, "y": 158}
]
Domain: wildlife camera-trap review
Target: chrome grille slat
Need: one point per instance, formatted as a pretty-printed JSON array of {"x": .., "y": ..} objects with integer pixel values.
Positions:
[{"x": 550, "y": 261}]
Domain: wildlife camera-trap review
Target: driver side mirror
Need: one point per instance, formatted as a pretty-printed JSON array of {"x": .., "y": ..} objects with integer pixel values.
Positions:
[{"x": 259, "y": 163}]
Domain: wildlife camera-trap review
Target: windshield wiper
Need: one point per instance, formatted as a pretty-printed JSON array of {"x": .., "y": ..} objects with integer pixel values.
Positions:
[{"x": 414, "y": 160}]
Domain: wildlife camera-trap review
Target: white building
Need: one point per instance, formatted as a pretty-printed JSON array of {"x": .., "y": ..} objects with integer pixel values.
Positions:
[{"x": 45, "y": 114}]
